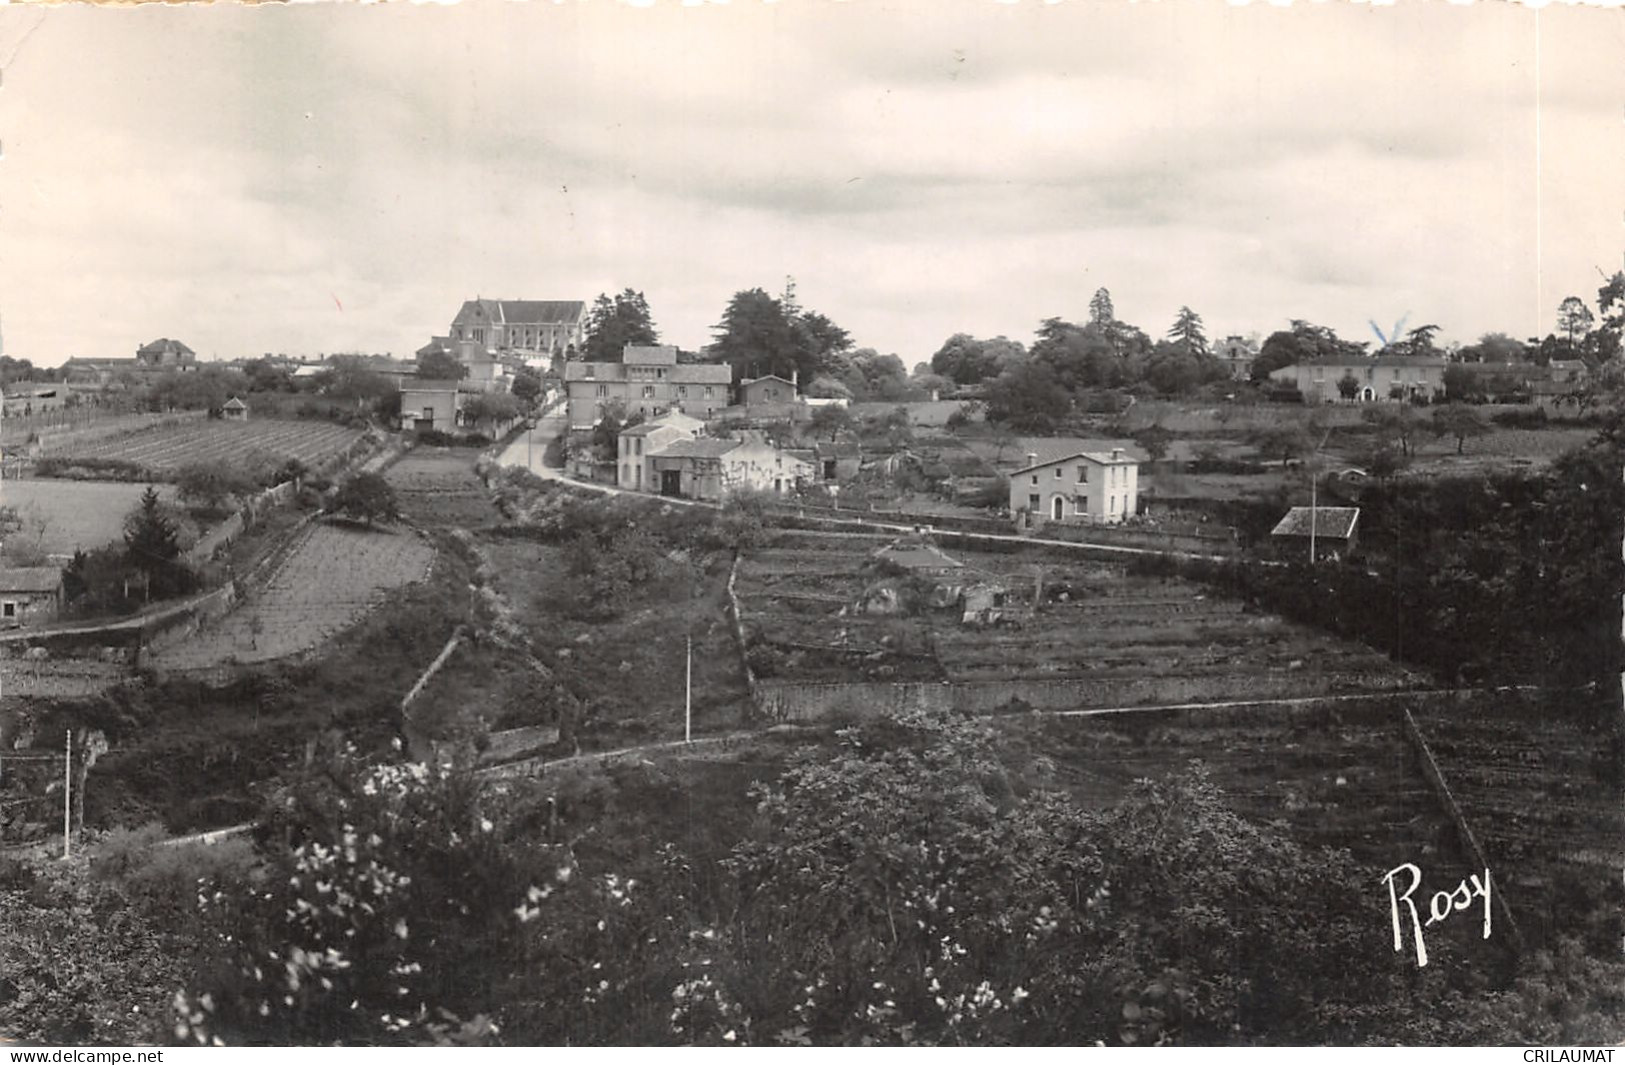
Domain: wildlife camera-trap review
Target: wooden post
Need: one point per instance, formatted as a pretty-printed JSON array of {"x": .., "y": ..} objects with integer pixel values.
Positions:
[{"x": 67, "y": 800}]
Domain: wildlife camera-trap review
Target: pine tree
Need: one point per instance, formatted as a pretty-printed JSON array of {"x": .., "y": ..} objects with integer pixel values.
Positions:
[{"x": 152, "y": 546}]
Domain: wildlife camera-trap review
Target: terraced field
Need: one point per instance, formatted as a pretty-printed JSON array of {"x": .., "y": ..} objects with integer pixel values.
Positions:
[
  {"x": 438, "y": 487},
  {"x": 319, "y": 585},
  {"x": 163, "y": 449},
  {"x": 1095, "y": 622},
  {"x": 1535, "y": 784}
]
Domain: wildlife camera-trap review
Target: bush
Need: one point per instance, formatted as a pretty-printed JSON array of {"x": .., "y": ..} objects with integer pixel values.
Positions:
[{"x": 1521, "y": 419}]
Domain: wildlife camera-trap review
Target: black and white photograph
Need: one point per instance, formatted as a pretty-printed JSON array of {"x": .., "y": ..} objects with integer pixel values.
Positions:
[{"x": 812, "y": 523}]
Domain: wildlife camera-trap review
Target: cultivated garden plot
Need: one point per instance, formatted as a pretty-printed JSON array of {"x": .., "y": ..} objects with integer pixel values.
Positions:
[
  {"x": 164, "y": 449},
  {"x": 438, "y": 487},
  {"x": 324, "y": 582},
  {"x": 816, "y": 609}
]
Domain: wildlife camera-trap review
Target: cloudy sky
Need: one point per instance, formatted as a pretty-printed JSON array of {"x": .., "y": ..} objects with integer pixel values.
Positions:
[{"x": 325, "y": 177}]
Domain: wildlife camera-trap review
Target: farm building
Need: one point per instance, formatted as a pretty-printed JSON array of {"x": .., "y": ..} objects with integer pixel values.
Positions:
[
  {"x": 430, "y": 405},
  {"x": 30, "y": 595},
  {"x": 837, "y": 460},
  {"x": 1084, "y": 486},
  {"x": 25, "y": 399},
  {"x": 770, "y": 390},
  {"x": 708, "y": 468},
  {"x": 235, "y": 410},
  {"x": 1336, "y": 530}
]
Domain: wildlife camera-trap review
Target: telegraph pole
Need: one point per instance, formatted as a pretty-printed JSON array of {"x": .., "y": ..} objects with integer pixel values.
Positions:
[{"x": 67, "y": 800}]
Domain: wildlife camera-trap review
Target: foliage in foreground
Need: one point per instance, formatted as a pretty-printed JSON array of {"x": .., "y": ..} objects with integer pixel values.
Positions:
[{"x": 957, "y": 911}]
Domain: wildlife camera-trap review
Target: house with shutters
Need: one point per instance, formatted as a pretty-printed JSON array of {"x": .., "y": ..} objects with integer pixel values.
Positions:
[
  {"x": 1076, "y": 487},
  {"x": 648, "y": 381}
]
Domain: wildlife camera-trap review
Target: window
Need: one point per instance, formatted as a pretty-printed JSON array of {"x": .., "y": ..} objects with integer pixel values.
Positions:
[
  {"x": 603, "y": 390},
  {"x": 637, "y": 445},
  {"x": 10, "y": 610},
  {"x": 648, "y": 391},
  {"x": 1083, "y": 474},
  {"x": 661, "y": 373},
  {"x": 428, "y": 414},
  {"x": 1033, "y": 502},
  {"x": 1058, "y": 472},
  {"x": 479, "y": 336},
  {"x": 708, "y": 392},
  {"x": 1035, "y": 478},
  {"x": 1113, "y": 505},
  {"x": 682, "y": 391}
]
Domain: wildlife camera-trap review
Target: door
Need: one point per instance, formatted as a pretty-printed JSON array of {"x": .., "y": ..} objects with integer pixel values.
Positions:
[
  {"x": 1058, "y": 508},
  {"x": 671, "y": 482}
]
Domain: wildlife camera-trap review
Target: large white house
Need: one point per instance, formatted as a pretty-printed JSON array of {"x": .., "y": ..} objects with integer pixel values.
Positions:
[{"x": 1082, "y": 486}]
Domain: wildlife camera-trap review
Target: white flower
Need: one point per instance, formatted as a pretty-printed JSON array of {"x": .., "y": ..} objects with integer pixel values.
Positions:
[
  {"x": 486, "y": 825},
  {"x": 400, "y": 927},
  {"x": 1019, "y": 994},
  {"x": 728, "y": 1036}
]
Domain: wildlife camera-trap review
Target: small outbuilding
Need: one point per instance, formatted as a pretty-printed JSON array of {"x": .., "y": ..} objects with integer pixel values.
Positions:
[
  {"x": 235, "y": 410},
  {"x": 1335, "y": 530},
  {"x": 29, "y": 595}
]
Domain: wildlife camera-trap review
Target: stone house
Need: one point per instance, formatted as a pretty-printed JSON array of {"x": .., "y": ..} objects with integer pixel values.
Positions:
[
  {"x": 635, "y": 446},
  {"x": 709, "y": 469},
  {"x": 30, "y": 595},
  {"x": 837, "y": 460},
  {"x": 648, "y": 380},
  {"x": 1380, "y": 377},
  {"x": 771, "y": 390},
  {"x": 1083, "y": 486},
  {"x": 430, "y": 405}
]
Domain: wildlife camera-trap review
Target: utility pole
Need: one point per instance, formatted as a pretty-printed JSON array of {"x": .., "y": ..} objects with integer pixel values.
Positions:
[
  {"x": 67, "y": 800},
  {"x": 688, "y": 696}
]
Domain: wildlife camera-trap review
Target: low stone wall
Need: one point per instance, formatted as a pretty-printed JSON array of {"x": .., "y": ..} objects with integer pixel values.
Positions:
[{"x": 790, "y": 700}]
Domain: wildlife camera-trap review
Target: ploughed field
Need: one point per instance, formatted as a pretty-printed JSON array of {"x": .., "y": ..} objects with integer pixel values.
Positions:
[
  {"x": 318, "y": 585},
  {"x": 163, "y": 449},
  {"x": 821, "y": 611}
]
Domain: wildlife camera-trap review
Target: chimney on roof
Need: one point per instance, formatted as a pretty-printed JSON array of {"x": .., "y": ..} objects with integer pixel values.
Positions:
[
  {"x": 1032, "y": 458},
  {"x": 1117, "y": 453},
  {"x": 795, "y": 380}
]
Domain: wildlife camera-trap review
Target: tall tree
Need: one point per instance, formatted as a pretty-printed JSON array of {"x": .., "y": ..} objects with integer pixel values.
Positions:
[
  {"x": 1300, "y": 343},
  {"x": 1187, "y": 332},
  {"x": 615, "y": 322},
  {"x": 152, "y": 547},
  {"x": 441, "y": 366},
  {"x": 1101, "y": 312},
  {"x": 756, "y": 338},
  {"x": 1611, "y": 302},
  {"x": 1574, "y": 319}
]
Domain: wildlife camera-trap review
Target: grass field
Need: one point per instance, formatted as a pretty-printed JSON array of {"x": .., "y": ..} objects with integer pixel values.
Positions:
[
  {"x": 437, "y": 487},
  {"x": 75, "y": 514}
]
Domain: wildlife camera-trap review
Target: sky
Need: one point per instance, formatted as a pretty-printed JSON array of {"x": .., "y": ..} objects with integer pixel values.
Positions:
[{"x": 335, "y": 177}]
